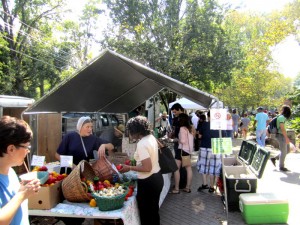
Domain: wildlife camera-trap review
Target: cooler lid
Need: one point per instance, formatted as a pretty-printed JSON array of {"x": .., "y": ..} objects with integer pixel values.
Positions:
[
  {"x": 262, "y": 198},
  {"x": 259, "y": 161},
  {"x": 248, "y": 148}
]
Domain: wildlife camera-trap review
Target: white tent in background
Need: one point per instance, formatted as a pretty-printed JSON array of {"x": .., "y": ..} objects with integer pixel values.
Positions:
[{"x": 188, "y": 104}]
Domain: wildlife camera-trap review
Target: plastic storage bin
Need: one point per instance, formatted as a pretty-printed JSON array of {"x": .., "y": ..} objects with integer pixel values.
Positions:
[
  {"x": 262, "y": 208},
  {"x": 243, "y": 179},
  {"x": 245, "y": 155}
]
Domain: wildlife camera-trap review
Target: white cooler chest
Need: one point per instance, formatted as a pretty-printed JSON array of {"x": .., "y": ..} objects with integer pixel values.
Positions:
[
  {"x": 262, "y": 208},
  {"x": 243, "y": 178}
]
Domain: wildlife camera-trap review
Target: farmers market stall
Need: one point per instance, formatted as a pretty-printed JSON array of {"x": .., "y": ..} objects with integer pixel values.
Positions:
[
  {"x": 47, "y": 202},
  {"x": 110, "y": 83}
]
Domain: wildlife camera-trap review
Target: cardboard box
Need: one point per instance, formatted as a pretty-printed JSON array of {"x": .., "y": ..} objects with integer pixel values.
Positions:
[
  {"x": 262, "y": 208},
  {"x": 46, "y": 198}
]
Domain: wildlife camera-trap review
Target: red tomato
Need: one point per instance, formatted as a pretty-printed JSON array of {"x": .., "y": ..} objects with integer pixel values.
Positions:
[
  {"x": 119, "y": 167},
  {"x": 128, "y": 162}
]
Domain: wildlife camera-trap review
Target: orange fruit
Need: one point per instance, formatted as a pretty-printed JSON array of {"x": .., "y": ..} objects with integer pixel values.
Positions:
[{"x": 93, "y": 203}]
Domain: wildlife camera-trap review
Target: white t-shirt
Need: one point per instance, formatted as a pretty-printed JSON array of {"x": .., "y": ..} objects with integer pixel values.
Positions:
[
  {"x": 147, "y": 148},
  {"x": 195, "y": 120}
]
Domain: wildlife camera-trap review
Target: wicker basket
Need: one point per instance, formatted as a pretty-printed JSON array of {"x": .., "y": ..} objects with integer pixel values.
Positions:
[
  {"x": 110, "y": 203},
  {"x": 72, "y": 188},
  {"x": 103, "y": 169},
  {"x": 118, "y": 158}
]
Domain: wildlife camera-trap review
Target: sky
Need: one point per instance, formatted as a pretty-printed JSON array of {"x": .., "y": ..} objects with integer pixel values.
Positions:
[{"x": 287, "y": 53}]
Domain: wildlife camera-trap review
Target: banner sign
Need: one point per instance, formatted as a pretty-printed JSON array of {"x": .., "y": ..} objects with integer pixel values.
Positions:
[{"x": 221, "y": 145}]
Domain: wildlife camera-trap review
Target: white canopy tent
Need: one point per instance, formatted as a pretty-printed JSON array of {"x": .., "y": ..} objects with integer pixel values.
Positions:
[{"x": 188, "y": 104}]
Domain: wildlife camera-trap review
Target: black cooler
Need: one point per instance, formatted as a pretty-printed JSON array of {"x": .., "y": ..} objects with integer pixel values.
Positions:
[
  {"x": 242, "y": 178},
  {"x": 246, "y": 153}
]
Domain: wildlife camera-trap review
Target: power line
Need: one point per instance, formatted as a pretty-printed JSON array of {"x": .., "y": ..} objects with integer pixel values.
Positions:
[
  {"x": 30, "y": 36},
  {"x": 40, "y": 32},
  {"x": 55, "y": 57},
  {"x": 22, "y": 53}
]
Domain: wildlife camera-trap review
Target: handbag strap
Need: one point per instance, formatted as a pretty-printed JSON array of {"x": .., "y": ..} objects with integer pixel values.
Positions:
[
  {"x": 160, "y": 145},
  {"x": 83, "y": 146}
]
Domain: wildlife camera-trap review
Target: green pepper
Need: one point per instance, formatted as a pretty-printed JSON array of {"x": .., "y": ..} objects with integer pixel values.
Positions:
[
  {"x": 96, "y": 180},
  {"x": 133, "y": 162}
]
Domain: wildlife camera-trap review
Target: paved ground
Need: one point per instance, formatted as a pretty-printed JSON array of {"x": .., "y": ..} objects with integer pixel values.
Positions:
[{"x": 199, "y": 208}]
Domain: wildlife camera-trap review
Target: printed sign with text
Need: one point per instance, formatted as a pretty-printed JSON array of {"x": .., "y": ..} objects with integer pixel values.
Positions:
[{"x": 38, "y": 160}]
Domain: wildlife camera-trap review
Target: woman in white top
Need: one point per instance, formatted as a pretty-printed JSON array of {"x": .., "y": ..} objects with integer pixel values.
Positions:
[{"x": 150, "y": 180}]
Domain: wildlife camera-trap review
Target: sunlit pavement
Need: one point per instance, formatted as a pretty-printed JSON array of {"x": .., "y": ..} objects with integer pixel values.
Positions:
[
  {"x": 207, "y": 208},
  {"x": 284, "y": 183}
]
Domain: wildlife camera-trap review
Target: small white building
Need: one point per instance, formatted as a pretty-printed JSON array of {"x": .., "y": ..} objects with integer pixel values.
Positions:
[{"x": 14, "y": 105}]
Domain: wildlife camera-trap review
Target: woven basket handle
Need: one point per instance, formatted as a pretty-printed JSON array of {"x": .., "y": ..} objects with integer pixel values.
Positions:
[
  {"x": 81, "y": 166},
  {"x": 101, "y": 154},
  {"x": 103, "y": 157}
]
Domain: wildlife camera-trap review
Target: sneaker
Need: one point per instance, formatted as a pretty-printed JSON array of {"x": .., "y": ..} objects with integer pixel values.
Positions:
[
  {"x": 203, "y": 187},
  {"x": 284, "y": 169}
]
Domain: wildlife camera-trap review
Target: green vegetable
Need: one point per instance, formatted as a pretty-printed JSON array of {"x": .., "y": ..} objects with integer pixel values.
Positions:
[{"x": 96, "y": 180}]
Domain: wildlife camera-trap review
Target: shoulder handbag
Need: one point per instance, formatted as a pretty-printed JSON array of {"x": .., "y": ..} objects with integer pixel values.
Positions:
[
  {"x": 186, "y": 160},
  {"x": 166, "y": 159}
]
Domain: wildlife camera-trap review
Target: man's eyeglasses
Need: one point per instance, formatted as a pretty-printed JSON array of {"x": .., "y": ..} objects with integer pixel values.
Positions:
[{"x": 24, "y": 146}]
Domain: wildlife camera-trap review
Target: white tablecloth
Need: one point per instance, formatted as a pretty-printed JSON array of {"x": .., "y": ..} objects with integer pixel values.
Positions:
[
  {"x": 166, "y": 187},
  {"x": 128, "y": 213}
]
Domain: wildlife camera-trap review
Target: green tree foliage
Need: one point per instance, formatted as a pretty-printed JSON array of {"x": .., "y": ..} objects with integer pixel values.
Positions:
[
  {"x": 256, "y": 82},
  {"x": 4, "y": 53},
  {"x": 183, "y": 39},
  {"x": 82, "y": 34},
  {"x": 32, "y": 57}
]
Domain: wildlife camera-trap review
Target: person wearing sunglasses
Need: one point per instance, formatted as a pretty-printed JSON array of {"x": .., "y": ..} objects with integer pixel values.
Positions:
[{"x": 15, "y": 137}]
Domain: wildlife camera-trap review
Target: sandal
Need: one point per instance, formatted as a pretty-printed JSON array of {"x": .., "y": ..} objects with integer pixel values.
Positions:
[
  {"x": 174, "y": 191},
  {"x": 211, "y": 189},
  {"x": 203, "y": 187},
  {"x": 187, "y": 190}
]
